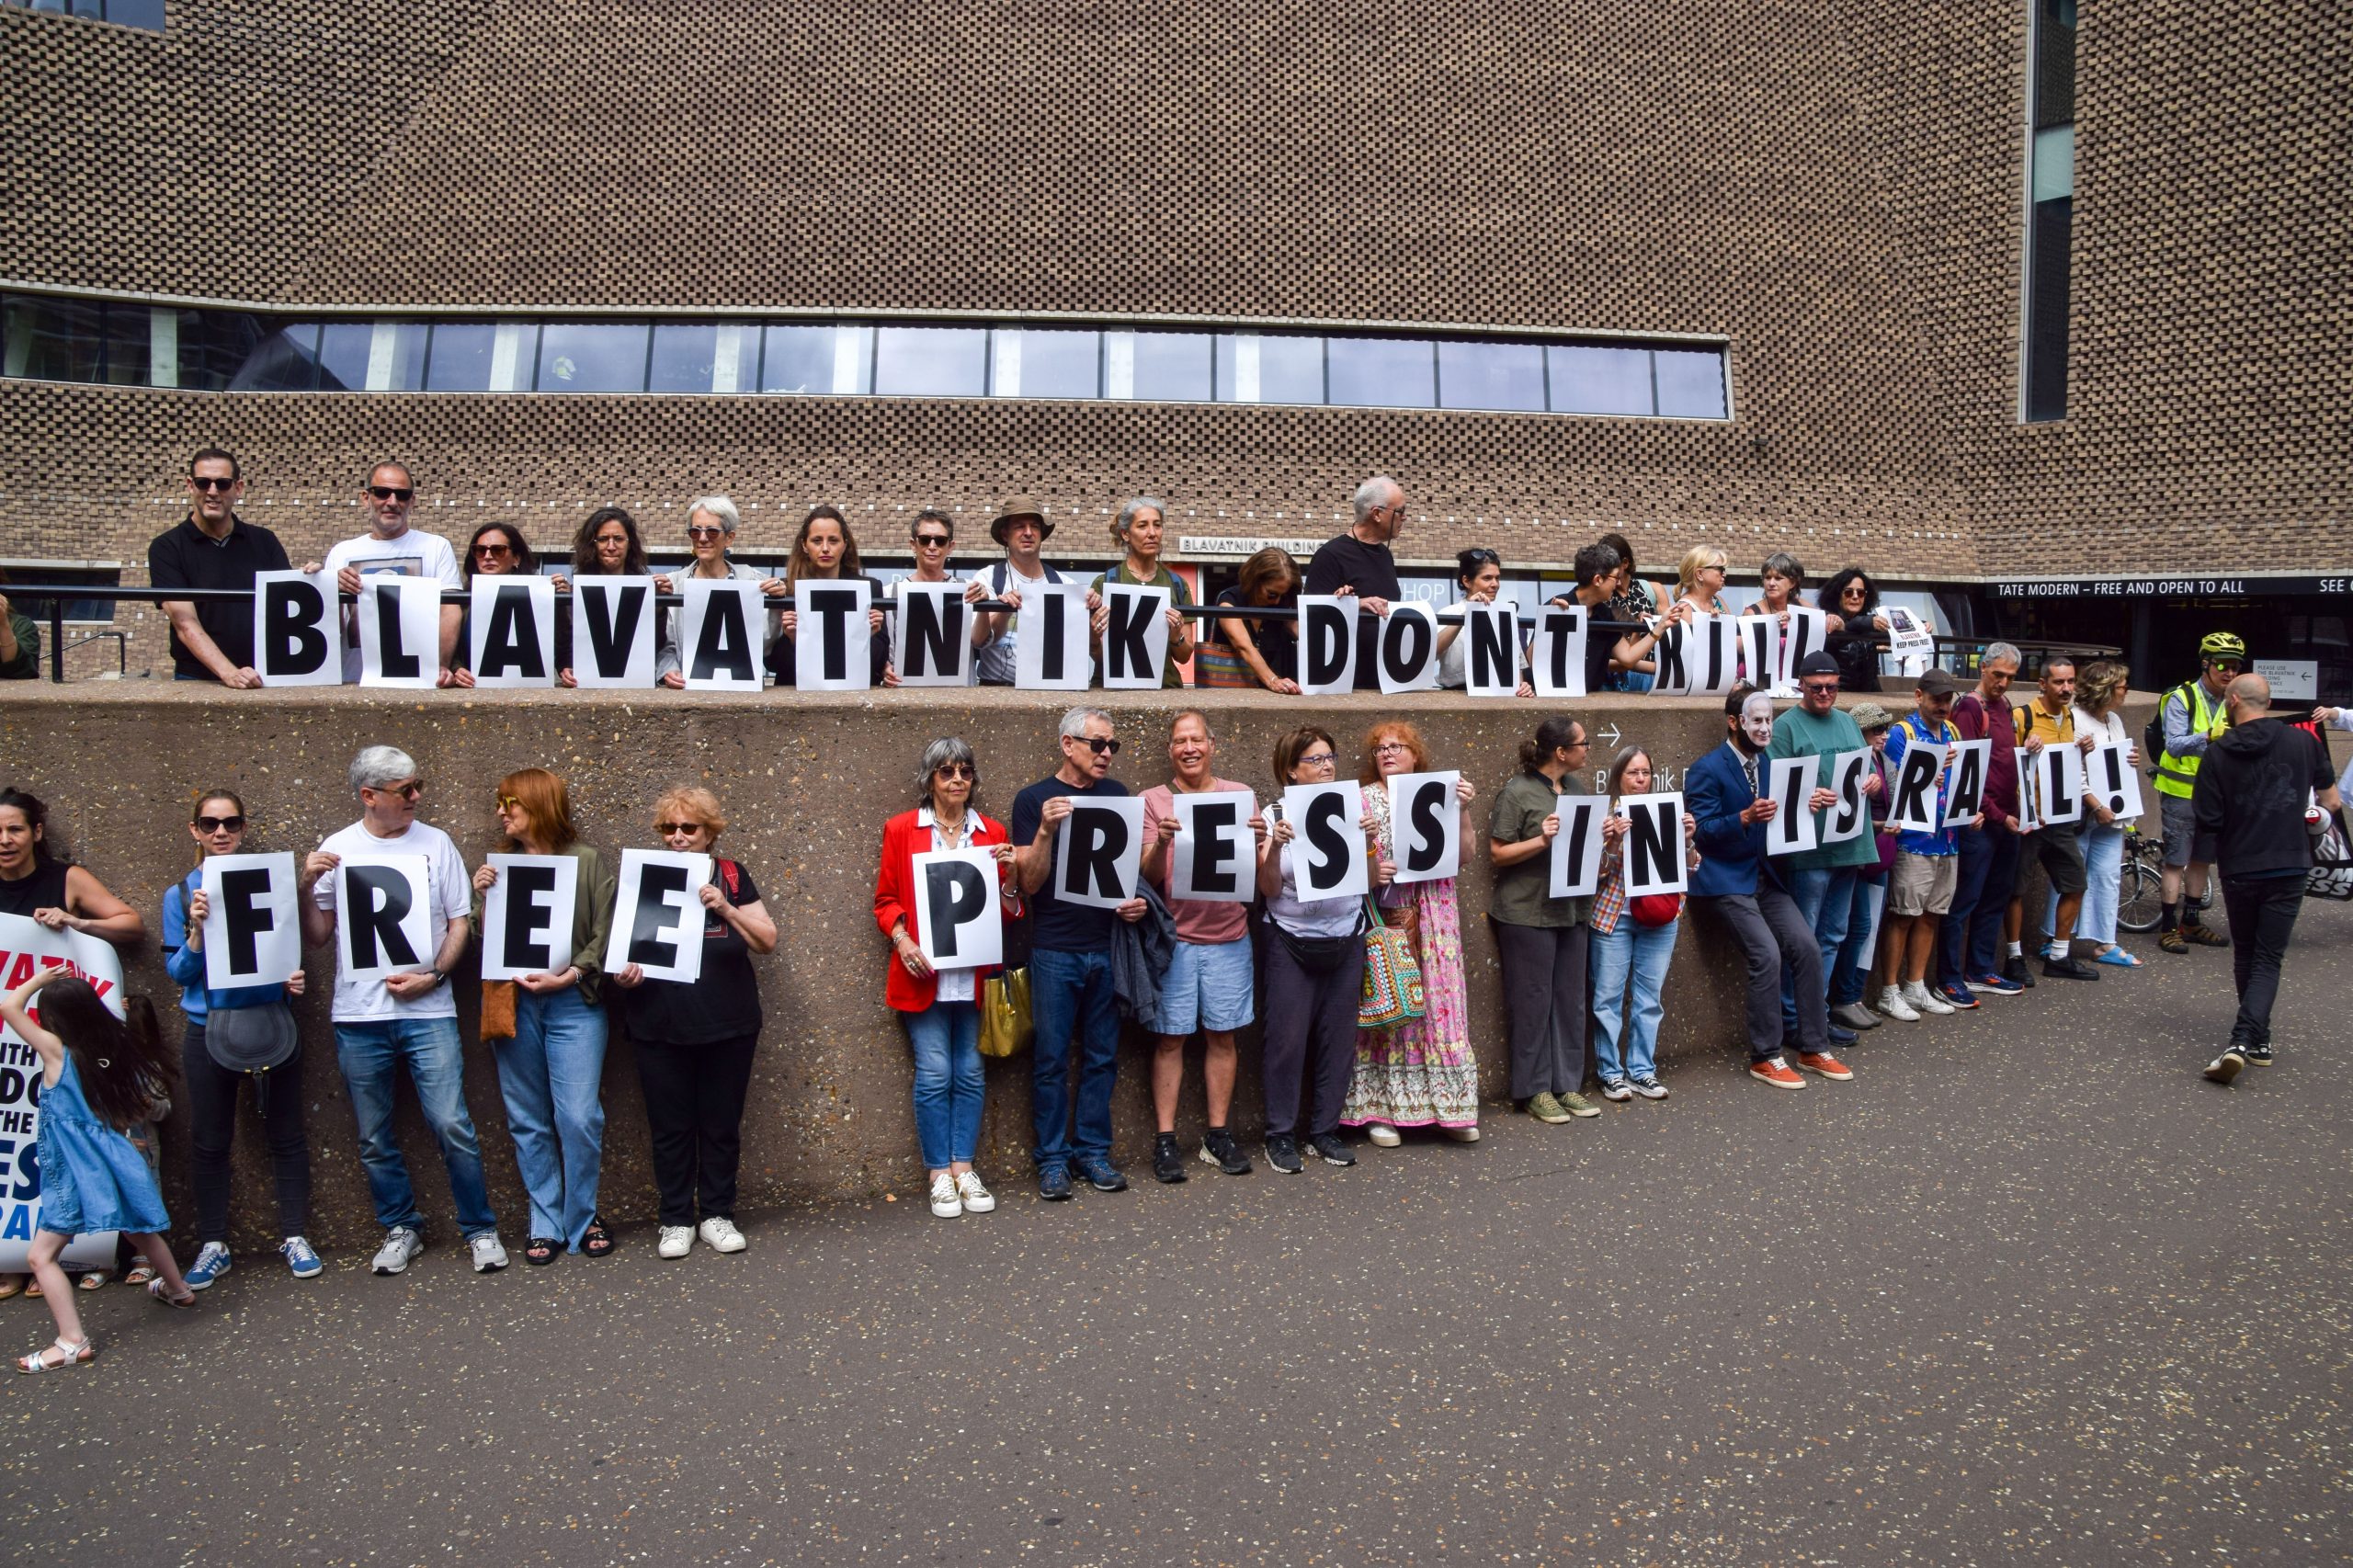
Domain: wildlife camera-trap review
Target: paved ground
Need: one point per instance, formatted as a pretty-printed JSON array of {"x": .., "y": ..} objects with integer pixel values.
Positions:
[{"x": 2029, "y": 1290}]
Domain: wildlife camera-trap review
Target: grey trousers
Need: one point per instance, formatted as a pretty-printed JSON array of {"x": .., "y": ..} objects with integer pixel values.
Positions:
[
  {"x": 1544, "y": 995},
  {"x": 1770, "y": 928}
]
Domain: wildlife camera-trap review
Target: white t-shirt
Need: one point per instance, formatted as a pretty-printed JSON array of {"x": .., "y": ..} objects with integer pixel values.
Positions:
[
  {"x": 414, "y": 552},
  {"x": 449, "y": 896},
  {"x": 995, "y": 664}
]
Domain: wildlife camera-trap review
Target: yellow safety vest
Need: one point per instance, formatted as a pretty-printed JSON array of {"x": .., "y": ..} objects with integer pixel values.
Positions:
[{"x": 2179, "y": 774}]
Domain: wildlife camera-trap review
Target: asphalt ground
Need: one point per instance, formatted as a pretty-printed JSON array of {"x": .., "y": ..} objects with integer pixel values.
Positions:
[{"x": 2028, "y": 1291}]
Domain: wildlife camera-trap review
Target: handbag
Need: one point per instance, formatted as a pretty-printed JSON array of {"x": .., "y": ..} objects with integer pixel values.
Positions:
[
  {"x": 1656, "y": 909},
  {"x": 1393, "y": 989},
  {"x": 499, "y": 1010},
  {"x": 1005, "y": 1024},
  {"x": 1218, "y": 667}
]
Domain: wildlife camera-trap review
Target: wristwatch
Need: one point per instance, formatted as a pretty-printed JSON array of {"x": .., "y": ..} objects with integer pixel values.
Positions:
[{"x": 439, "y": 975}]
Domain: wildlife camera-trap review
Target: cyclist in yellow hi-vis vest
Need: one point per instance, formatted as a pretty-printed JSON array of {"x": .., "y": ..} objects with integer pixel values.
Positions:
[{"x": 2192, "y": 716}]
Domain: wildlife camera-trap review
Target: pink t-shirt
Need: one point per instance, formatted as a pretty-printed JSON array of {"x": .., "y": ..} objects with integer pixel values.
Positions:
[{"x": 1197, "y": 920}]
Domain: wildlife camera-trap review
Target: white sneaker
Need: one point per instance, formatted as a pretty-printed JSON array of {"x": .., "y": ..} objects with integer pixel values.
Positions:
[
  {"x": 1382, "y": 1134},
  {"x": 677, "y": 1241},
  {"x": 720, "y": 1234},
  {"x": 1891, "y": 1005},
  {"x": 1459, "y": 1134},
  {"x": 1924, "y": 1000},
  {"x": 401, "y": 1246},
  {"x": 977, "y": 1200},
  {"x": 945, "y": 1203},
  {"x": 490, "y": 1253}
]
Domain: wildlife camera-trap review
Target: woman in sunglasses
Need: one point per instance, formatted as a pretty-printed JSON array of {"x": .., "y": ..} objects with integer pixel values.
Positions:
[
  {"x": 1480, "y": 573},
  {"x": 227, "y": 1032},
  {"x": 548, "y": 1030},
  {"x": 712, "y": 522},
  {"x": 496, "y": 550},
  {"x": 932, "y": 536},
  {"x": 940, "y": 1006},
  {"x": 695, "y": 1042}
]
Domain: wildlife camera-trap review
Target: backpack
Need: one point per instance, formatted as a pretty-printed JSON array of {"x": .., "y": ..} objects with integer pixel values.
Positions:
[{"x": 2153, "y": 733}]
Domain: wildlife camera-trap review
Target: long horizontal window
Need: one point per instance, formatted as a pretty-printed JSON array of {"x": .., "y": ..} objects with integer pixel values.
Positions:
[
  {"x": 125, "y": 343},
  {"x": 144, "y": 14}
]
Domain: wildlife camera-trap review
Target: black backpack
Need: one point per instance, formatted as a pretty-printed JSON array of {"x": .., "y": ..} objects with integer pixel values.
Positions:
[{"x": 2153, "y": 734}]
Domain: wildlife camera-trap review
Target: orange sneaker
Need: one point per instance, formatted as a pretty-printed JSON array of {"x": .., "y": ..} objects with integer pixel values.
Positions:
[
  {"x": 1776, "y": 1071},
  {"x": 1829, "y": 1067}
]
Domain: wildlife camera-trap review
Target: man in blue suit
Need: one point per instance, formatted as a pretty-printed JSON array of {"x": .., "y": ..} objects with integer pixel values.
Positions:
[{"x": 1724, "y": 789}]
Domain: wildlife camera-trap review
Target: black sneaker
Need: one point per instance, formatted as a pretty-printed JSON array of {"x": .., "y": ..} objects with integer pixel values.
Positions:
[
  {"x": 1167, "y": 1165},
  {"x": 2069, "y": 968},
  {"x": 1282, "y": 1153},
  {"x": 1101, "y": 1174},
  {"x": 2225, "y": 1067},
  {"x": 2014, "y": 970},
  {"x": 1328, "y": 1145},
  {"x": 1053, "y": 1184},
  {"x": 1219, "y": 1149},
  {"x": 2258, "y": 1054}
]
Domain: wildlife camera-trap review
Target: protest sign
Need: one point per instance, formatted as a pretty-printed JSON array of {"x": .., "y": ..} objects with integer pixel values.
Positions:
[
  {"x": 718, "y": 649},
  {"x": 252, "y": 927},
  {"x": 526, "y": 915},
  {"x": 1050, "y": 652},
  {"x": 1697, "y": 657},
  {"x": 383, "y": 916},
  {"x": 1658, "y": 858},
  {"x": 511, "y": 623},
  {"x": 1807, "y": 632},
  {"x": 1851, "y": 817},
  {"x": 1913, "y": 810},
  {"x": 1328, "y": 853},
  {"x": 1214, "y": 856},
  {"x": 400, "y": 631},
  {"x": 1790, "y": 785},
  {"x": 833, "y": 635},
  {"x": 1760, "y": 650},
  {"x": 613, "y": 631},
  {"x": 1557, "y": 666},
  {"x": 1576, "y": 848},
  {"x": 1098, "y": 854},
  {"x": 296, "y": 633},
  {"x": 1328, "y": 643},
  {"x": 2061, "y": 770},
  {"x": 1965, "y": 794},
  {"x": 931, "y": 635},
  {"x": 1408, "y": 648},
  {"x": 958, "y": 920},
  {"x": 1425, "y": 825},
  {"x": 1135, "y": 636},
  {"x": 1491, "y": 650},
  {"x": 26, "y": 948},
  {"x": 658, "y": 917},
  {"x": 2114, "y": 781}
]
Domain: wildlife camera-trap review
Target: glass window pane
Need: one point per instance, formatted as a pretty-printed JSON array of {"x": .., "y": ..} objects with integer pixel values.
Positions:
[
  {"x": 364, "y": 355},
  {"x": 592, "y": 356},
  {"x": 1600, "y": 381},
  {"x": 458, "y": 358},
  {"x": 1491, "y": 375},
  {"x": 1691, "y": 382},
  {"x": 285, "y": 361},
  {"x": 1173, "y": 367},
  {"x": 1380, "y": 373},
  {"x": 685, "y": 357},
  {"x": 1256, "y": 367},
  {"x": 148, "y": 14},
  {"x": 930, "y": 361},
  {"x": 54, "y": 340},
  {"x": 214, "y": 347},
  {"x": 1034, "y": 362},
  {"x": 798, "y": 360},
  {"x": 129, "y": 353}
]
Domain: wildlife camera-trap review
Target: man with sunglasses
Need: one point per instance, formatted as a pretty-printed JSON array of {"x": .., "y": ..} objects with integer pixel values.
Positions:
[
  {"x": 1070, "y": 970},
  {"x": 2193, "y": 716},
  {"x": 1822, "y": 880},
  {"x": 933, "y": 537},
  {"x": 405, "y": 1019},
  {"x": 391, "y": 545},
  {"x": 213, "y": 548}
]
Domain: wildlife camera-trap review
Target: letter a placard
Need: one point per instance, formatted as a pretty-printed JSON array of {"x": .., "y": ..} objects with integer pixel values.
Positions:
[
  {"x": 383, "y": 916},
  {"x": 1426, "y": 822},
  {"x": 958, "y": 921},
  {"x": 1099, "y": 852}
]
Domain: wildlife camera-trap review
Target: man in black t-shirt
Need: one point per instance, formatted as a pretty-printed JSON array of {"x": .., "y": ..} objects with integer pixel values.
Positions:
[
  {"x": 1070, "y": 970},
  {"x": 1595, "y": 569},
  {"x": 1360, "y": 562},
  {"x": 213, "y": 548}
]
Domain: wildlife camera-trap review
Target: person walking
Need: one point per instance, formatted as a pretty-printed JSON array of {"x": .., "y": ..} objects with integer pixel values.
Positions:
[
  {"x": 2193, "y": 716},
  {"x": 1544, "y": 941}
]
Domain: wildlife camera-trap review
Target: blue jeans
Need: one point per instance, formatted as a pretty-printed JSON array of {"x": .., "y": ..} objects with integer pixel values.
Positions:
[
  {"x": 1070, "y": 994},
  {"x": 2103, "y": 887},
  {"x": 370, "y": 1055},
  {"x": 1970, "y": 941},
  {"x": 1628, "y": 971},
  {"x": 551, "y": 1075},
  {"x": 949, "y": 1082},
  {"x": 1825, "y": 900},
  {"x": 1852, "y": 976}
]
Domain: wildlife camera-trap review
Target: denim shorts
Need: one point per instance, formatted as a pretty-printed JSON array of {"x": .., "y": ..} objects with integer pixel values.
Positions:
[{"x": 1207, "y": 987}]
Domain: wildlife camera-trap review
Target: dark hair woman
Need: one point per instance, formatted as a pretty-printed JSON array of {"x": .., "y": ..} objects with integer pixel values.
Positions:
[
  {"x": 1247, "y": 653},
  {"x": 1852, "y": 599},
  {"x": 607, "y": 546},
  {"x": 823, "y": 550},
  {"x": 1540, "y": 939},
  {"x": 1632, "y": 947},
  {"x": 1479, "y": 572}
]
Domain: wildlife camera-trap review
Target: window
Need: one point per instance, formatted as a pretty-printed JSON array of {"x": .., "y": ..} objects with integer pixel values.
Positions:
[
  {"x": 147, "y": 15},
  {"x": 1256, "y": 367},
  {"x": 691, "y": 357},
  {"x": 593, "y": 357},
  {"x": 2051, "y": 203},
  {"x": 1380, "y": 373},
  {"x": 1160, "y": 366},
  {"x": 1491, "y": 375},
  {"x": 1690, "y": 385},
  {"x": 1028, "y": 362},
  {"x": 1601, "y": 380},
  {"x": 54, "y": 339},
  {"x": 930, "y": 361}
]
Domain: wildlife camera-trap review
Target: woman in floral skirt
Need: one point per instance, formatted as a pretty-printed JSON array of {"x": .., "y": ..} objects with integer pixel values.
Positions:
[{"x": 1419, "y": 1072}]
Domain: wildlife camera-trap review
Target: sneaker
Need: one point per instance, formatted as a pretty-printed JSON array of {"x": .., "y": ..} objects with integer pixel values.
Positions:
[
  {"x": 1958, "y": 998},
  {"x": 2014, "y": 970},
  {"x": 1924, "y": 1000},
  {"x": 1383, "y": 1135},
  {"x": 489, "y": 1251},
  {"x": 1167, "y": 1165},
  {"x": 1470, "y": 1134},
  {"x": 2069, "y": 968},
  {"x": 1282, "y": 1153},
  {"x": 301, "y": 1261},
  {"x": 1893, "y": 1005},
  {"x": 2258, "y": 1054},
  {"x": 975, "y": 1196},
  {"x": 1853, "y": 1015},
  {"x": 2171, "y": 942},
  {"x": 1053, "y": 1184},
  {"x": 677, "y": 1241},
  {"x": 1329, "y": 1148},
  {"x": 1101, "y": 1174},
  {"x": 1219, "y": 1149},
  {"x": 2225, "y": 1067},
  {"x": 1829, "y": 1067},
  {"x": 402, "y": 1244},
  {"x": 1776, "y": 1071},
  {"x": 2203, "y": 936},
  {"x": 1616, "y": 1089},
  {"x": 947, "y": 1203},
  {"x": 212, "y": 1262},
  {"x": 1650, "y": 1088},
  {"x": 1841, "y": 1036},
  {"x": 1576, "y": 1104},
  {"x": 720, "y": 1234},
  {"x": 1994, "y": 985},
  {"x": 1548, "y": 1110}
]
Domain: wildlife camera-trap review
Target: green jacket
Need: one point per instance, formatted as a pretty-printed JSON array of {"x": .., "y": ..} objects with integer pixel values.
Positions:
[{"x": 1799, "y": 733}]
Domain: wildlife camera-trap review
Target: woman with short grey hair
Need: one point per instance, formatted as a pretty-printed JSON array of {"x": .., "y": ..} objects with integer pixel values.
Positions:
[
  {"x": 712, "y": 522},
  {"x": 1140, "y": 528}
]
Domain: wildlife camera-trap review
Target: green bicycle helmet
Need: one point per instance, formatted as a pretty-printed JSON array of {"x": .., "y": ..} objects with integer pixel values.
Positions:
[{"x": 2222, "y": 645}]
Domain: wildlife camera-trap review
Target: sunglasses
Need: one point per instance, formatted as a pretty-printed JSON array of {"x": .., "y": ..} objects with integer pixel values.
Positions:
[
  {"x": 209, "y": 485},
  {"x": 706, "y": 533},
  {"x": 408, "y": 791},
  {"x": 955, "y": 771},
  {"x": 667, "y": 828},
  {"x": 493, "y": 549},
  {"x": 932, "y": 541},
  {"x": 392, "y": 492},
  {"x": 1096, "y": 745},
  {"x": 220, "y": 824},
  {"x": 1822, "y": 685},
  {"x": 506, "y": 802}
]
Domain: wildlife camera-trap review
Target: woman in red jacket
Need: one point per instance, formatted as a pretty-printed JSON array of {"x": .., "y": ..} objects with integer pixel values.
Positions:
[{"x": 940, "y": 1008}]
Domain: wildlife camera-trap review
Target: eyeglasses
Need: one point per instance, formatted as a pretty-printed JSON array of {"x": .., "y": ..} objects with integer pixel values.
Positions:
[
  {"x": 1100, "y": 746},
  {"x": 1387, "y": 746},
  {"x": 198, "y": 483},
  {"x": 508, "y": 802},
  {"x": 392, "y": 492},
  {"x": 1317, "y": 759},
  {"x": 1577, "y": 744},
  {"x": 955, "y": 771},
  {"x": 408, "y": 791},
  {"x": 220, "y": 824},
  {"x": 668, "y": 829},
  {"x": 1822, "y": 687},
  {"x": 698, "y": 532},
  {"x": 932, "y": 541},
  {"x": 493, "y": 549}
]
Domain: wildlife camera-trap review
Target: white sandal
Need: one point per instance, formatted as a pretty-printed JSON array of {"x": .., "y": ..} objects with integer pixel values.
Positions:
[
  {"x": 155, "y": 1287},
  {"x": 76, "y": 1352}
]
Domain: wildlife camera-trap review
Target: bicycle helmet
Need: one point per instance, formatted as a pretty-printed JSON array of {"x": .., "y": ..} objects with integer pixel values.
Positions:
[{"x": 2222, "y": 645}]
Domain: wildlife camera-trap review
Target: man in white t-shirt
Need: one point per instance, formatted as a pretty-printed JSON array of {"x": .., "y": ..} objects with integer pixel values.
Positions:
[
  {"x": 406, "y": 1017},
  {"x": 1021, "y": 526},
  {"x": 391, "y": 545}
]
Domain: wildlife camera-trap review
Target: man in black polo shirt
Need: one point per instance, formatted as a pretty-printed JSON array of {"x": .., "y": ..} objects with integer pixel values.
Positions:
[
  {"x": 213, "y": 548},
  {"x": 1358, "y": 563}
]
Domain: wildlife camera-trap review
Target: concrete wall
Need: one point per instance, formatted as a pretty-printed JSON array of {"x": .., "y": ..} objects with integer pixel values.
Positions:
[{"x": 807, "y": 782}]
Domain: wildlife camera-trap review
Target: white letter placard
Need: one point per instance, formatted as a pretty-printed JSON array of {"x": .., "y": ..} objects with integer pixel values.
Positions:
[
  {"x": 1916, "y": 776},
  {"x": 1789, "y": 784},
  {"x": 1657, "y": 860},
  {"x": 1851, "y": 817},
  {"x": 958, "y": 921},
  {"x": 526, "y": 915},
  {"x": 1328, "y": 855},
  {"x": 1406, "y": 645},
  {"x": 297, "y": 634},
  {"x": 512, "y": 621},
  {"x": 1328, "y": 643},
  {"x": 612, "y": 631},
  {"x": 2114, "y": 781},
  {"x": 1214, "y": 857},
  {"x": 1099, "y": 852},
  {"x": 833, "y": 644},
  {"x": 1490, "y": 650},
  {"x": 1558, "y": 667},
  {"x": 1808, "y": 633},
  {"x": 717, "y": 650},
  {"x": 400, "y": 631},
  {"x": 1760, "y": 650},
  {"x": 2061, "y": 769},
  {"x": 383, "y": 914},
  {"x": 1576, "y": 848},
  {"x": 1697, "y": 656},
  {"x": 931, "y": 635},
  {"x": 1425, "y": 825},
  {"x": 658, "y": 917},
  {"x": 1965, "y": 796},
  {"x": 1050, "y": 652},
  {"x": 1135, "y": 638},
  {"x": 253, "y": 931}
]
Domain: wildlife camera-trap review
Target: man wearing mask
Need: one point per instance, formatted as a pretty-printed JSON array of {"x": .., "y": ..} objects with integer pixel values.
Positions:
[{"x": 1360, "y": 562}]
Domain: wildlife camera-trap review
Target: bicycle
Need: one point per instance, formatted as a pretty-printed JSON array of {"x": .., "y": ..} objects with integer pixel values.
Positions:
[{"x": 2140, "y": 903}]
